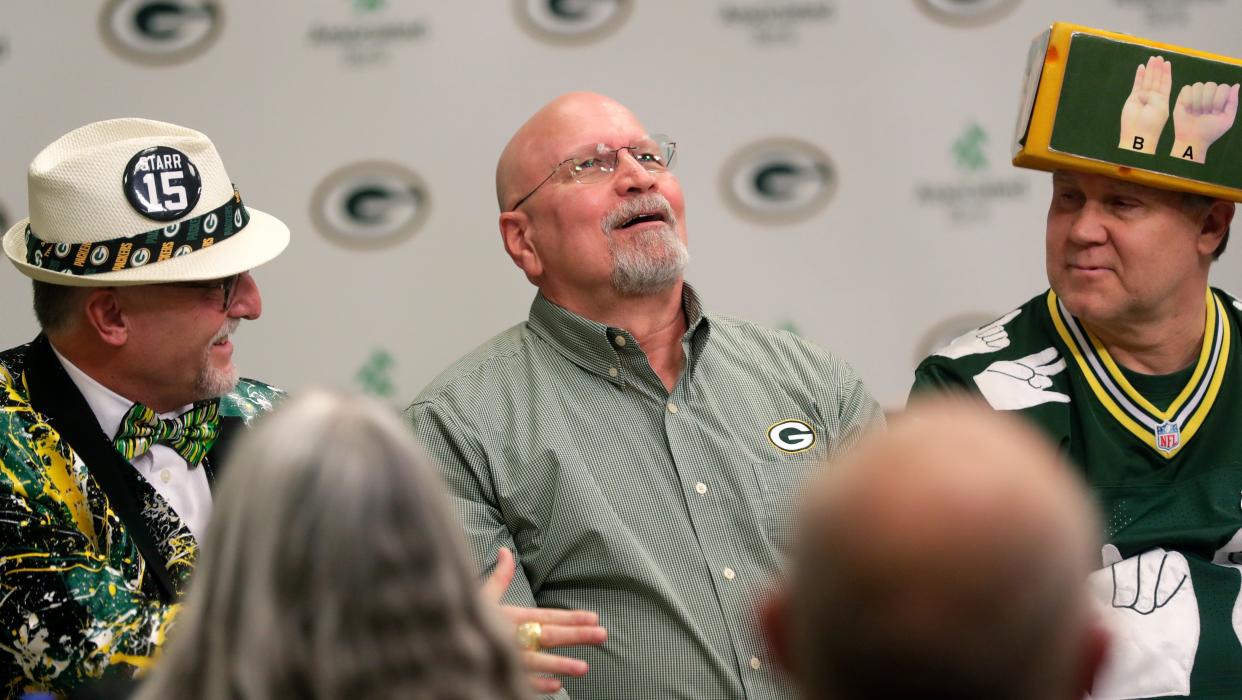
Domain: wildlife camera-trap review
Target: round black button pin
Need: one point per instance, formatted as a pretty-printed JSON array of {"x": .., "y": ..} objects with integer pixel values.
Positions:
[{"x": 161, "y": 183}]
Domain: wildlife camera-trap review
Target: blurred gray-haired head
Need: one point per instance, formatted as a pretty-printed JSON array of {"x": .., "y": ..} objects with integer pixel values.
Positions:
[{"x": 334, "y": 568}]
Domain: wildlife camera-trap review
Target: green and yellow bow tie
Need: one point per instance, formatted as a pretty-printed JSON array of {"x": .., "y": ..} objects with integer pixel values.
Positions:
[{"x": 191, "y": 434}]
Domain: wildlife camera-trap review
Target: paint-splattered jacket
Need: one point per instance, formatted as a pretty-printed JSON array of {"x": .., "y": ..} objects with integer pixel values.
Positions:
[{"x": 77, "y": 599}]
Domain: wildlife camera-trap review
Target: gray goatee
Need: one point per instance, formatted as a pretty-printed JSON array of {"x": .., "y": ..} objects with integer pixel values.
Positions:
[{"x": 649, "y": 260}]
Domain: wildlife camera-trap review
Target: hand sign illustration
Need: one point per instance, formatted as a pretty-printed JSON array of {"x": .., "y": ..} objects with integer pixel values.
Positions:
[
  {"x": 1203, "y": 113},
  {"x": 1146, "y": 110},
  {"x": 989, "y": 338},
  {"x": 1231, "y": 555},
  {"x": 1009, "y": 385},
  {"x": 1151, "y": 610}
]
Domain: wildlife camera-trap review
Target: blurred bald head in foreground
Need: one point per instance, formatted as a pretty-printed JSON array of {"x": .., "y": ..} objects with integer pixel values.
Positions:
[{"x": 946, "y": 558}]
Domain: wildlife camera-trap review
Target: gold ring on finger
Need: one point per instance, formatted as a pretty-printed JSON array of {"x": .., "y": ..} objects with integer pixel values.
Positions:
[{"x": 530, "y": 636}]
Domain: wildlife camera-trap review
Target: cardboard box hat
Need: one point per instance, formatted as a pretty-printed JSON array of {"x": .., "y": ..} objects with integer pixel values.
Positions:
[{"x": 1133, "y": 109}]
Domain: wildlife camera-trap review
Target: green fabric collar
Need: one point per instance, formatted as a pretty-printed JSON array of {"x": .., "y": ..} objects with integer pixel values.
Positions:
[{"x": 593, "y": 346}]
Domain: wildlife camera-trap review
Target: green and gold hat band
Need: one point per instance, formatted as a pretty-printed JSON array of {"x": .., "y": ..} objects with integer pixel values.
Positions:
[{"x": 173, "y": 240}]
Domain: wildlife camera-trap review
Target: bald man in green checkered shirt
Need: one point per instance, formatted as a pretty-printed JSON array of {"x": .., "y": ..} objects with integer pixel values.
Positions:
[{"x": 640, "y": 455}]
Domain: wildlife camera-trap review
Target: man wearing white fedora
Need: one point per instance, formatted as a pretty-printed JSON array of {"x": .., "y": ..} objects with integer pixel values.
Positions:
[{"x": 113, "y": 419}]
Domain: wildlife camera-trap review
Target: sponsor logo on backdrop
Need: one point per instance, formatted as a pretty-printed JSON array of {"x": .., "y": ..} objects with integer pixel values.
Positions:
[
  {"x": 1165, "y": 13},
  {"x": 374, "y": 377},
  {"x": 160, "y": 32},
  {"x": 968, "y": 149},
  {"x": 372, "y": 204},
  {"x": 968, "y": 196},
  {"x": 365, "y": 32},
  {"x": 776, "y": 22},
  {"x": 966, "y": 13},
  {"x": 948, "y": 330},
  {"x": 572, "y": 21},
  {"x": 778, "y": 180}
]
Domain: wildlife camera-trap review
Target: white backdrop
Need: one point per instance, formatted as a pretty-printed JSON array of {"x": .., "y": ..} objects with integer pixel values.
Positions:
[{"x": 891, "y": 218}]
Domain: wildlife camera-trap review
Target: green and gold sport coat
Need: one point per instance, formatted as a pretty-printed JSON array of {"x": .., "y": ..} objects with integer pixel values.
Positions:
[{"x": 78, "y": 601}]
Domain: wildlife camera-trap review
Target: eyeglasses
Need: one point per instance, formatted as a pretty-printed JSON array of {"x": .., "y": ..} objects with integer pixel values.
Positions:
[
  {"x": 228, "y": 285},
  {"x": 597, "y": 163}
]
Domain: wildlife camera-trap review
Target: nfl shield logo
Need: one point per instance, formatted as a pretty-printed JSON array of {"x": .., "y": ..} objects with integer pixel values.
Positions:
[{"x": 1168, "y": 436}]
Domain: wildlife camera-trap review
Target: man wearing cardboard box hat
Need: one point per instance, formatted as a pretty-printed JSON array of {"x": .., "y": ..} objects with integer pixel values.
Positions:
[
  {"x": 113, "y": 419},
  {"x": 1130, "y": 361}
]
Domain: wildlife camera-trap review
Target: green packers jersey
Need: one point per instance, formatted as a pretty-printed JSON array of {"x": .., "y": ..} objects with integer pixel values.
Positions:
[{"x": 1163, "y": 455}]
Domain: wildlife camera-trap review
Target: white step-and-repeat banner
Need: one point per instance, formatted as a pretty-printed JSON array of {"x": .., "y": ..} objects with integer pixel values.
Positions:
[{"x": 845, "y": 162}]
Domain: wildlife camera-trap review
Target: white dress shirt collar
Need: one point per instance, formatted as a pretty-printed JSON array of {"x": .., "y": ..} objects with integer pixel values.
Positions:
[{"x": 108, "y": 406}]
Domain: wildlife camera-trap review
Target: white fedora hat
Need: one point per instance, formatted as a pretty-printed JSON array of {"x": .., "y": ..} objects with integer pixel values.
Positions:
[{"x": 135, "y": 201}]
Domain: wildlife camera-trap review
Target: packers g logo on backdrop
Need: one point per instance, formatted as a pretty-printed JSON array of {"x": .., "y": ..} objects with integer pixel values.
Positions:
[
  {"x": 792, "y": 436},
  {"x": 160, "y": 32},
  {"x": 572, "y": 21},
  {"x": 372, "y": 204},
  {"x": 966, "y": 12},
  {"x": 778, "y": 180}
]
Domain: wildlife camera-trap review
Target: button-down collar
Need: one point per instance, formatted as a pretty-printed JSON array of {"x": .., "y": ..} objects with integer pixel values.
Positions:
[{"x": 597, "y": 348}]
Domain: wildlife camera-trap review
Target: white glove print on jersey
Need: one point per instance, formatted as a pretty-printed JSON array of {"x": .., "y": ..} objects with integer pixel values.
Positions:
[
  {"x": 989, "y": 338},
  {"x": 1149, "y": 605},
  {"x": 1009, "y": 385}
]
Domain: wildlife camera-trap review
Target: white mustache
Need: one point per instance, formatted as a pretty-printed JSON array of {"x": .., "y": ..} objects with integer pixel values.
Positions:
[
  {"x": 229, "y": 327},
  {"x": 654, "y": 202}
]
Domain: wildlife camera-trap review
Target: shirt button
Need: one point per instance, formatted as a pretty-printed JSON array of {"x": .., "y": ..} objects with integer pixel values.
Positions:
[
  {"x": 165, "y": 476},
  {"x": 701, "y": 488},
  {"x": 672, "y": 407},
  {"x": 729, "y": 573},
  {"x": 755, "y": 663},
  {"x": 619, "y": 340},
  {"x": 613, "y": 371}
]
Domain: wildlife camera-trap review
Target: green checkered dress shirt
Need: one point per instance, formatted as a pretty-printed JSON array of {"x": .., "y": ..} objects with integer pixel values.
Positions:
[{"x": 667, "y": 513}]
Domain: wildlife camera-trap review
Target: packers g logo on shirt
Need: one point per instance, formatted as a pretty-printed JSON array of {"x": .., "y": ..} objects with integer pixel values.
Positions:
[{"x": 792, "y": 436}]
